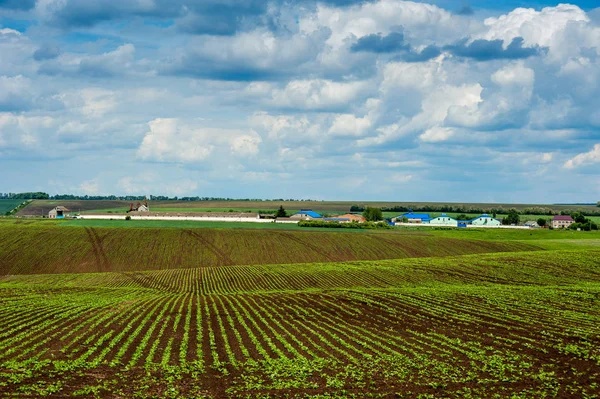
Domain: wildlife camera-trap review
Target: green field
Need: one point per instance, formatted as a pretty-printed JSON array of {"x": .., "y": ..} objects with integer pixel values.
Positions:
[
  {"x": 9, "y": 205},
  {"x": 53, "y": 248},
  {"x": 41, "y": 207},
  {"x": 232, "y": 313}
]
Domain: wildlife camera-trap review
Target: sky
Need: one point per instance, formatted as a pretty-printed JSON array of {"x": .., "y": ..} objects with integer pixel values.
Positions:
[{"x": 449, "y": 101}]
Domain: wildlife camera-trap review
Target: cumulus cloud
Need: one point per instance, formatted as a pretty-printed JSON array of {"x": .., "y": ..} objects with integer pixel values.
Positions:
[
  {"x": 15, "y": 93},
  {"x": 437, "y": 134},
  {"x": 348, "y": 125},
  {"x": 105, "y": 65},
  {"x": 256, "y": 55},
  {"x": 261, "y": 90},
  {"x": 317, "y": 94},
  {"x": 586, "y": 158},
  {"x": 46, "y": 52},
  {"x": 485, "y": 50},
  {"x": 171, "y": 140},
  {"x": 377, "y": 43}
]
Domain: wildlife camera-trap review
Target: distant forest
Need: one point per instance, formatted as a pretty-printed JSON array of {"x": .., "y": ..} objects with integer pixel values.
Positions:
[{"x": 45, "y": 196}]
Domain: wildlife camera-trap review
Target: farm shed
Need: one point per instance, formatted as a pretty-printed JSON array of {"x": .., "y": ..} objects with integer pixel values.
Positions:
[
  {"x": 444, "y": 220},
  {"x": 485, "y": 220},
  {"x": 337, "y": 219},
  {"x": 562, "y": 221},
  {"x": 532, "y": 224},
  {"x": 58, "y": 212},
  {"x": 306, "y": 214},
  {"x": 413, "y": 217},
  {"x": 353, "y": 217}
]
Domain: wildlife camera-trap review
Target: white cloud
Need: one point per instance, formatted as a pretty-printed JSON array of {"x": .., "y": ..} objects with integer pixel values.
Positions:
[
  {"x": 420, "y": 19},
  {"x": 15, "y": 93},
  {"x": 108, "y": 64},
  {"x": 246, "y": 144},
  {"x": 171, "y": 140},
  {"x": 400, "y": 178},
  {"x": 348, "y": 125},
  {"x": 317, "y": 94},
  {"x": 585, "y": 158},
  {"x": 437, "y": 134},
  {"x": 500, "y": 105},
  {"x": 90, "y": 187},
  {"x": 90, "y": 102}
]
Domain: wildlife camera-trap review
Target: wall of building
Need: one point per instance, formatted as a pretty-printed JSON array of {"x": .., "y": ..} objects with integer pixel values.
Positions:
[{"x": 443, "y": 221}]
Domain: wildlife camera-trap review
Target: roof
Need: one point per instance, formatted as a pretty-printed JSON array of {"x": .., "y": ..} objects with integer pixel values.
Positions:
[
  {"x": 337, "y": 219},
  {"x": 563, "y": 217},
  {"x": 61, "y": 208},
  {"x": 310, "y": 213},
  {"x": 411, "y": 215},
  {"x": 485, "y": 215}
]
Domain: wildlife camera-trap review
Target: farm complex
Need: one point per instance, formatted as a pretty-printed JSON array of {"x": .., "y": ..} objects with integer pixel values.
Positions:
[{"x": 228, "y": 308}]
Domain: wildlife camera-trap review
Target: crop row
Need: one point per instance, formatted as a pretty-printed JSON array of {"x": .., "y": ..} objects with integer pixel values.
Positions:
[
  {"x": 40, "y": 248},
  {"x": 506, "y": 269}
]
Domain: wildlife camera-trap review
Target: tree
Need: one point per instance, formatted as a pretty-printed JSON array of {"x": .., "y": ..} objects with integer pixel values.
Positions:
[
  {"x": 356, "y": 208},
  {"x": 511, "y": 218},
  {"x": 579, "y": 218},
  {"x": 281, "y": 213},
  {"x": 462, "y": 216},
  {"x": 541, "y": 222},
  {"x": 373, "y": 214}
]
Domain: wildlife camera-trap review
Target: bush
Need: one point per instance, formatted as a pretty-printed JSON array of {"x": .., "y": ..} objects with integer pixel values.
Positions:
[
  {"x": 338, "y": 225},
  {"x": 127, "y": 217}
]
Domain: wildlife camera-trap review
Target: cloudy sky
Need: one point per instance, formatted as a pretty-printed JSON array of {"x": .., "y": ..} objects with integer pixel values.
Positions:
[{"x": 486, "y": 101}]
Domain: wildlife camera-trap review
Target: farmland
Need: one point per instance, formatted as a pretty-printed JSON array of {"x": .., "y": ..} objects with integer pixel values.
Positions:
[
  {"x": 522, "y": 324},
  {"x": 9, "y": 205},
  {"x": 41, "y": 207},
  {"x": 48, "y": 247}
]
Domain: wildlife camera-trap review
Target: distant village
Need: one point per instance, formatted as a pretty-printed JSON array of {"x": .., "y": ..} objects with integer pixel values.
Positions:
[{"x": 141, "y": 211}]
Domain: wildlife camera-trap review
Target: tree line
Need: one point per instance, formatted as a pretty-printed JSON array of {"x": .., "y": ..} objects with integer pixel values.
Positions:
[
  {"x": 64, "y": 197},
  {"x": 462, "y": 209}
]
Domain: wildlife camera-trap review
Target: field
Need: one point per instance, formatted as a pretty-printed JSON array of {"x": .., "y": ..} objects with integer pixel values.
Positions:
[
  {"x": 49, "y": 247},
  {"x": 230, "y": 313},
  {"x": 41, "y": 207},
  {"x": 9, "y": 205}
]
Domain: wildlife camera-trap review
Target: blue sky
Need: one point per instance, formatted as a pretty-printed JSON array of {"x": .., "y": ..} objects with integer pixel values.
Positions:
[{"x": 480, "y": 101}]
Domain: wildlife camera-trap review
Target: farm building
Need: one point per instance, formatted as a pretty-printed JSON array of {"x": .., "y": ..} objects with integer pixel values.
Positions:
[
  {"x": 532, "y": 224},
  {"x": 413, "y": 217},
  {"x": 139, "y": 207},
  {"x": 561, "y": 221},
  {"x": 485, "y": 220},
  {"x": 354, "y": 217},
  {"x": 58, "y": 212},
  {"x": 337, "y": 219},
  {"x": 306, "y": 214},
  {"x": 444, "y": 220}
]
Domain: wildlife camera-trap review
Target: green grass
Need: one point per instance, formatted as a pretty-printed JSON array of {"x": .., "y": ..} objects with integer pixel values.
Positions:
[{"x": 9, "y": 205}]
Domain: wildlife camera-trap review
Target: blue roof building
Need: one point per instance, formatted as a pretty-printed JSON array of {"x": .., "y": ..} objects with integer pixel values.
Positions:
[
  {"x": 306, "y": 214},
  {"x": 415, "y": 217}
]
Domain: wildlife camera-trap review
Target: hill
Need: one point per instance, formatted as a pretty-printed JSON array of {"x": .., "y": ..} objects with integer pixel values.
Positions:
[
  {"x": 517, "y": 325},
  {"x": 41, "y": 207},
  {"x": 51, "y": 248}
]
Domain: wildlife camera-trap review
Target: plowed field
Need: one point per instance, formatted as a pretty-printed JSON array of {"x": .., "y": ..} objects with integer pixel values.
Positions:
[
  {"x": 49, "y": 248},
  {"x": 522, "y": 325}
]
